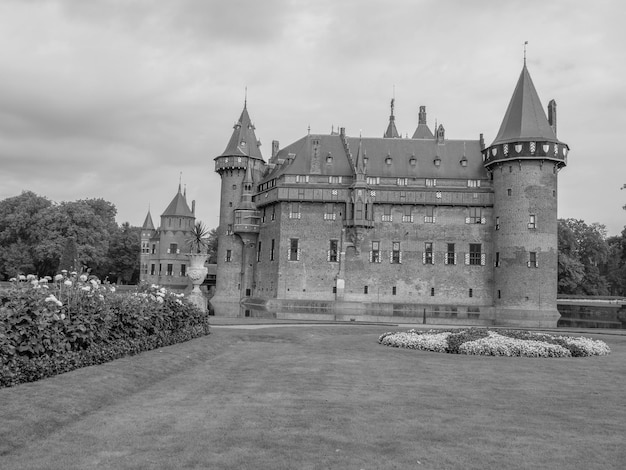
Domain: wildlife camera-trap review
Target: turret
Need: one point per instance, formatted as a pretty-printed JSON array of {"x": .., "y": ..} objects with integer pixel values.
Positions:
[
  {"x": 239, "y": 165},
  {"x": 524, "y": 160},
  {"x": 392, "y": 132}
]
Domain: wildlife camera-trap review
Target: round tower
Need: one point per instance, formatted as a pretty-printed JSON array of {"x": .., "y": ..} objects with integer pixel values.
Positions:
[
  {"x": 241, "y": 157},
  {"x": 524, "y": 161}
]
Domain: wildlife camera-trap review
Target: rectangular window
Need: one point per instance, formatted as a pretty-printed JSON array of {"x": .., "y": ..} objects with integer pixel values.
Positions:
[
  {"x": 229, "y": 229},
  {"x": 183, "y": 270},
  {"x": 532, "y": 260},
  {"x": 387, "y": 216},
  {"x": 497, "y": 223},
  {"x": 274, "y": 212},
  {"x": 431, "y": 182},
  {"x": 432, "y": 291},
  {"x": 396, "y": 255},
  {"x": 334, "y": 179},
  {"x": 393, "y": 290},
  {"x": 302, "y": 178},
  {"x": 263, "y": 215},
  {"x": 365, "y": 289},
  {"x": 471, "y": 292},
  {"x": 475, "y": 254},
  {"x": 170, "y": 269},
  {"x": 153, "y": 248},
  {"x": 329, "y": 211},
  {"x": 229, "y": 256},
  {"x": 294, "y": 210},
  {"x": 497, "y": 261},
  {"x": 407, "y": 216},
  {"x": 429, "y": 218},
  {"x": 475, "y": 216},
  {"x": 373, "y": 180},
  {"x": 402, "y": 181},
  {"x": 152, "y": 269},
  {"x": 428, "y": 253},
  {"x": 333, "y": 251},
  {"x": 450, "y": 254},
  {"x": 294, "y": 251},
  {"x": 473, "y": 183},
  {"x": 160, "y": 269},
  {"x": 272, "y": 250},
  {"x": 375, "y": 253},
  {"x": 258, "y": 252},
  {"x": 532, "y": 221},
  {"x": 508, "y": 192},
  {"x": 173, "y": 248}
]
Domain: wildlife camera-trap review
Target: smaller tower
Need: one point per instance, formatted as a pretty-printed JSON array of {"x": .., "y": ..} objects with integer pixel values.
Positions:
[
  {"x": 147, "y": 235},
  {"x": 422, "y": 131}
]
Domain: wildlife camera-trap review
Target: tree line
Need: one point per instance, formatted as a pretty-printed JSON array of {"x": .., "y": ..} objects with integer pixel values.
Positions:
[{"x": 38, "y": 236}]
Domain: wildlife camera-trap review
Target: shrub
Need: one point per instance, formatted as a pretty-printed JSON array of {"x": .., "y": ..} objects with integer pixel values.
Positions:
[{"x": 49, "y": 325}]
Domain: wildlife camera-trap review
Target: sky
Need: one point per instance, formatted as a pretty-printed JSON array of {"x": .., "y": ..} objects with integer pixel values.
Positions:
[{"x": 124, "y": 99}]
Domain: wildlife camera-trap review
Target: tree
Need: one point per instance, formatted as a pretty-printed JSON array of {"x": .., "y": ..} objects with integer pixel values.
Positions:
[
  {"x": 583, "y": 249},
  {"x": 123, "y": 255}
]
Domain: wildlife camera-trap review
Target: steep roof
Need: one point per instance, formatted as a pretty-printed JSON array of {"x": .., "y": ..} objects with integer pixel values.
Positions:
[
  {"x": 148, "y": 224},
  {"x": 422, "y": 131},
  {"x": 178, "y": 207},
  {"x": 525, "y": 118},
  {"x": 243, "y": 141},
  {"x": 299, "y": 157}
]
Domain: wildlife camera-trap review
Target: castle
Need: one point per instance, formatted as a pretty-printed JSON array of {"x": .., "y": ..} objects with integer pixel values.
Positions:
[
  {"x": 398, "y": 224},
  {"x": 163, "y": 258}
]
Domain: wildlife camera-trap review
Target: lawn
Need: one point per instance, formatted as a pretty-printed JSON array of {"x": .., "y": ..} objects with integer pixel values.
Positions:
[{"x": 320, "y": 397}]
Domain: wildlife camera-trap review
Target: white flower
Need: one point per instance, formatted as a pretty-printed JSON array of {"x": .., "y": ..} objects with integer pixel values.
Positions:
[
  {"x": 51, "y": 298},
  {"x": 73, "y": 273},
  {"x": 83, "y": 277},
  {"x": 12, "y": 279},
  {"x": 62, "y": 315},
  {"x": 112, "y": 289},
  {"x": 94, "y": 283},
  {"x": 21, "y": 277},
  {"x": 35, "y": 282},
  {"x": 159, "y": 300},
  {"x": 58, "y": 277},
  {"x": 86, "y": 288},
  {"x": 43, "y": 280},
  {"x": 100, "y": 296},
  {"x": 31, "y": 277},
  {"x": 64, "y": 271},
  {"x": 68, "y": 282}
]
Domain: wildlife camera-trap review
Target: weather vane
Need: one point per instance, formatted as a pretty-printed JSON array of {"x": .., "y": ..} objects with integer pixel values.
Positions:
[{"x": 525, "y": 44}]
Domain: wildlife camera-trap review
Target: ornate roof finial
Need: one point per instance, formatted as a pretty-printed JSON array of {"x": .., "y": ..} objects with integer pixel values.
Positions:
[
  {"x": 245, "y": 97},
  {"x": 525, "y": 44},
  {"x": 180, "y": 179}
]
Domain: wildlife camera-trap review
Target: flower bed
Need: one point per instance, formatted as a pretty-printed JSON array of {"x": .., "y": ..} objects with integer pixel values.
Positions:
[
  {"x": 486, "y": 342},
  {"x": 49, "y": 326}
]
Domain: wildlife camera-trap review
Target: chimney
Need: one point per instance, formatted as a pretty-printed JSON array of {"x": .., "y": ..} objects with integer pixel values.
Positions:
[
  {"x": 275, "y": 145},
  {"x": 552, "y": 115},
  {"x": 482, "y": 141}
]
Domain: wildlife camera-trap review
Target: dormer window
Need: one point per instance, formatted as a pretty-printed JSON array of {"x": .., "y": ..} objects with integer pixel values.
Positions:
[
  {"x": 242, "y": 143},
  {"x": 463, "y": 161},
  {"x": 413, "y": 160},
  {"x": 437, "y": 161},
  {"x": 329, "y": 158},
  {"x": 388, "y": 160}
]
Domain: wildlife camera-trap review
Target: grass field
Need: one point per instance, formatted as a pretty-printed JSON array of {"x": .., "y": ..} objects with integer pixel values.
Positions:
[{"x": 320, "y": 397}]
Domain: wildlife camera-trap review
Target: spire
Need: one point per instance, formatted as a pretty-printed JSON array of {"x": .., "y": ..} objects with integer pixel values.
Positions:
[
  {"x": 525, "y": 119},
  {"x": 148, "y": 224},
  {"x": 243, "y": 141},
  {"x": 360, "y": 167},
  {"x": 392, "y": 132},
  {"x": 246, "y": 194},
  {"x": 422, "y": 131}
]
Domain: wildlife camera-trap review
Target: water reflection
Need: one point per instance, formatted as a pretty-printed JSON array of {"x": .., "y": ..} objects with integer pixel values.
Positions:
[{"x": 236, "y": 310}]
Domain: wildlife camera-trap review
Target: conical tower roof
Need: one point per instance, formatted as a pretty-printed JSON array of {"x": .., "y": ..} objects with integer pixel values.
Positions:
[
  {"x": 148, "y": 224},
  {"x": 178, "y": 207},
  {"x": 243, "y": 142},
  {"x": 525, "y": 119}
]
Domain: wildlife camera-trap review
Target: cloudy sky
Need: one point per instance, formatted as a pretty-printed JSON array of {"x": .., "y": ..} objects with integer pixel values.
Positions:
[{"x": 114, "y": 99}]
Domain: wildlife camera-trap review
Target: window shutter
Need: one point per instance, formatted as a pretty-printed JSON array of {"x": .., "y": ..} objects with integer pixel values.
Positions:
[
  {"x": 328, "y": 255},
  {"x": 424, "y": 258},
  {"x": 391, "y": 256},
  {"x": 483, "y": 220},
  {"x": 467, "y": 220},
  {"x": 482, "y": 259},
  {"x": 168, "y": 250},
  {"x": 537, "y": 261},
  {"x": 445, "y": 258},
  {"x": 371, "y": 256},
  {"x": 298, "y": 255},
  {"x": 467, "y": 256},
  {"x": 434, "y": 219},
  {"x": 454, "y": 258},
  {"x": 528, "y": 263},
  {"x": 400, "y": 257}
]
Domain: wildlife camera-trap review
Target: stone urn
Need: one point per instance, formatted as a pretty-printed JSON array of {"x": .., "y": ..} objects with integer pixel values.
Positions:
[{"x": 197, "y": 270}]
